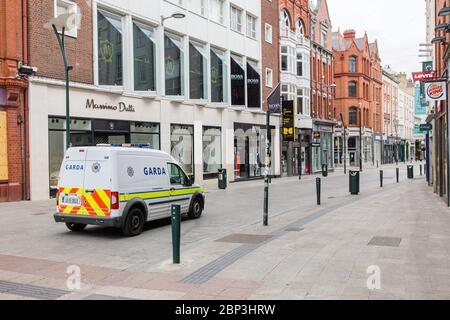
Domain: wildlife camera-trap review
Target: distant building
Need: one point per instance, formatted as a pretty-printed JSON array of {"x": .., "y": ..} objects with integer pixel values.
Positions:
[{"x": 357, "y": 73}]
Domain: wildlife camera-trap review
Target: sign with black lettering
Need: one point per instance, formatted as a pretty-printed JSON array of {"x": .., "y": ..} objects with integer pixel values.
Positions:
[
  {"x": 288, "y": 121},
  {"x": 120, "y": 107}
]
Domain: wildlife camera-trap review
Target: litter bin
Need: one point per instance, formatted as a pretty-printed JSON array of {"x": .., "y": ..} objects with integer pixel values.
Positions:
[
  {"x": 354, "y": 182},
  {"x": 410, "y": 172},
  {"x": 325, "y": 170},
  {"x": 222, "y": 179}
]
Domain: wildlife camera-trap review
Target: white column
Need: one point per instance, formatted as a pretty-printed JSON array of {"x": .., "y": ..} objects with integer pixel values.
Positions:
[{"x": 198, "y": 150}]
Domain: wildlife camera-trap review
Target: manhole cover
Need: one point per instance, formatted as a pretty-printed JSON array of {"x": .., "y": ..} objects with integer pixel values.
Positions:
[
  {"x": 245, "y": 238},
  {"x": 294, "y": 229},
  {"x": 385, "y": 242}
]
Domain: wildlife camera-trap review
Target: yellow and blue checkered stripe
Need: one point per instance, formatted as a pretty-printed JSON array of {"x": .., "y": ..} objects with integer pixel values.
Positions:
[{"x": 159, "y": 194}]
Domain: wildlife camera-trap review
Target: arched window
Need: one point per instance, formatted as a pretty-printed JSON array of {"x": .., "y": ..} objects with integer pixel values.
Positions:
[
  {"x": 300, "y": 27},
  {"x": 285, "y": 20},
  {"x": 352, "y": 86},
  {"x": 353, "y": 116},
  {"x": 352, "y": 64}
]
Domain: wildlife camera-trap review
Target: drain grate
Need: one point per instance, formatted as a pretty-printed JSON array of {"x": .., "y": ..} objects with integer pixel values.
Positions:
[
  {"x": 245, "y": 238},
  {"x": 27, "y": 290},
  {"x": 385, "y": 242}
]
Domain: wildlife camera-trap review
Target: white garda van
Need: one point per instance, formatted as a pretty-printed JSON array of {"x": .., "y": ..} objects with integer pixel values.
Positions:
[{"x": 123, "y": 187}]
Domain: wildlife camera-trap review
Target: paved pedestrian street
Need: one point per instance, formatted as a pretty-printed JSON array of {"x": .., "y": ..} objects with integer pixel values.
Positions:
[{"x": 386, "y": 243}]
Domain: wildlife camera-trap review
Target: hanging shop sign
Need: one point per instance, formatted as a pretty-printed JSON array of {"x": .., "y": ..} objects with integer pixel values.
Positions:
[
  {"x": 274, "y": 100},
  {"x": 435, "y": 91},
  {"x": 316, "y": 139},
  {"x": 424, "y": 76},
  {"x": 288, "y": 121},
  {"x": 120, "y": 107},
  {"x": 425, "y": 127}
]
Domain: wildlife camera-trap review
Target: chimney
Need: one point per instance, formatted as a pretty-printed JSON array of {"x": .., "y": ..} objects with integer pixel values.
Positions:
[{"x": 349, "y": 34}]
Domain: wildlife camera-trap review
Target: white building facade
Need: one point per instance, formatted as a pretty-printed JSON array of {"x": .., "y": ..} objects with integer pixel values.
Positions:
[
  {"x": 296, "y": 86},
  {"x": 190, "y": 87}
]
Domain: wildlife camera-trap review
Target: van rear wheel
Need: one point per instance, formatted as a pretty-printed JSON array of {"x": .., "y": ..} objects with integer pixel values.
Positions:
[
  {"x": 134, "y": 223},
  {"x": 76, "y": 227},
  {"x": 196, "y": 209}
]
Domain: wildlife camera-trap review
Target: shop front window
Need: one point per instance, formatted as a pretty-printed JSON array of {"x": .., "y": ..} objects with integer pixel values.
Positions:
[
  {"x": 197, "y": 71},
  {"x": 145, "y": 133},
  {"x": 144, "y": 58},
  {"x": 80, "y": 136},
  {"x": 218, "y": 76},
  {"x": 212, "y": 151},
  {"x": 173, "y": 62},
  {"x": 110, "y": 63},
  {"x": 182, "y": 146}
]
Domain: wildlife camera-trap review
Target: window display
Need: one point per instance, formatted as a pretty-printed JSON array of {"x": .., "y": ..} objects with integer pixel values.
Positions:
[
  {"x": 182, "y": 146},
  {"x": 212, "y": 150}
]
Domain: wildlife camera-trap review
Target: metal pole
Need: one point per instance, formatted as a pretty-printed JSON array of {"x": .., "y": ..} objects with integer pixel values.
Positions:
[
  {"x": 381, "y": 178},
  {"x": 176, "y": 232},
  {"x": 398, "y": 174},
  {"x": 360, "y": 140},
  {"x": 318, "y": 189},
  {"x": 266, "y": 178},
  {"x": 67, "y": 68},
  {"x": 345, "y": 145}
]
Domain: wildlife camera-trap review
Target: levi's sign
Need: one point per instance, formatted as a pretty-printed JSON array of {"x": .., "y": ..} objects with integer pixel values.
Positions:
[
  {"x": 121, "y": 106},
  {"x": 424, "y": 76}
]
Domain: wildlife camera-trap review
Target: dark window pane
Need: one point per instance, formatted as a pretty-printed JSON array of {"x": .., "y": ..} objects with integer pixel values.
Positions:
[
  {"x": 196, "y": 73},
  {"x": 237, "y": 84},
  {"x": 352, "y": 116},
  {"x": 352, "y": 89},
  {"x": 173, "y": 66},
  {"x": 253, "y": 87},
  {"x": 109, "y": 49},
  {"x": 217, "y": 89},
  {"x": 144, "y": 59}
]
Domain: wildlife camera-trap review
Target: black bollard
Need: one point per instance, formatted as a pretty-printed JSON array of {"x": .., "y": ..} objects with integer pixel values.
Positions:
[
  {"x": 420, "y": 170},
  {"x": 398, "y": 174},
  {"x": 381, "y": 178},
  {"x": 176, "y": 232},
  {"x": 318, "y": 187}
]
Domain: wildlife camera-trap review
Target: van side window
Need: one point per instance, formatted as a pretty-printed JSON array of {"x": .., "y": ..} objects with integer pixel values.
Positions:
[{"x": 177, "y": 177}]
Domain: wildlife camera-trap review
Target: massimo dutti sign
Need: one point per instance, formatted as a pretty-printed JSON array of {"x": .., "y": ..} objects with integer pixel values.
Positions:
[{"x": 120, "y": 107}]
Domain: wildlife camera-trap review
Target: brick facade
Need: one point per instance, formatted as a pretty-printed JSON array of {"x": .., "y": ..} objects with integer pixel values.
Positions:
[
  {"x": 322, "y": 64},
  {"x": 367, "y": 77},
  {"x": 270, "y": 13},
  {"x": 13, "y": 99},
  {"x": 298, "y": 9},
  {"x": 44, "y": 50}
]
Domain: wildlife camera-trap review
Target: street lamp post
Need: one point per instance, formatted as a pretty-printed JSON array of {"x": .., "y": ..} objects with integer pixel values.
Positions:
[
  {"x": 345, "y": 143},
  {"x": 360, "y": 138},
  {"x": 63, "y": 23}
]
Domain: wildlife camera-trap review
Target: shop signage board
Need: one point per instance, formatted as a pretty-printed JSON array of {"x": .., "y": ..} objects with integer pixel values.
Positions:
[
  {"x": 424, "y": 76},
  {"x": 119, "y": 107},
  {"x": 435, "y": 91},
  {"x": 288, "y": 121},
  {"x": 316, "y": 139},
  {"x": 425, "y": 127}
]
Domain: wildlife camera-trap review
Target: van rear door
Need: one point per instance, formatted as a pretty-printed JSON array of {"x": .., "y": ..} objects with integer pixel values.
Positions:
[
  {"x": 71, "y": 182},
  {"x": 97, "y": 183}
]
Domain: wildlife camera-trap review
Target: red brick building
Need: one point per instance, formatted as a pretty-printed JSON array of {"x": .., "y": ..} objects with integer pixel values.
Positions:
[
  {"x": 13, "y": 101},
  {"x": 270, "y": 12},
  {"x": 357, "y": 75},
  {"x": 322, "y": 83}
]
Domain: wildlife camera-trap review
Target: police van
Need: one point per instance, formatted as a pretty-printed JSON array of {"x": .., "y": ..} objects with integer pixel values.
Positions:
[{"x": 123, "y": 186}]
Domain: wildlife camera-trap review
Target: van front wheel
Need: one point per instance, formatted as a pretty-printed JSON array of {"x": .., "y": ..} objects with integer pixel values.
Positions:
[
  {"x": 134, "y": 223},
  {"x": 75, "y": 227},
  {"x": 196, "y": 209}
]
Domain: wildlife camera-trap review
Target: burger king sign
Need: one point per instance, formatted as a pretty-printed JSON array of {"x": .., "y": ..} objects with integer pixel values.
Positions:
[{"x": 435, "y": 91}]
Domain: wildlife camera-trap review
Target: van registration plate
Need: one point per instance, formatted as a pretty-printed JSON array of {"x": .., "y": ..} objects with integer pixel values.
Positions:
[{"x": 71, "y": 199}]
